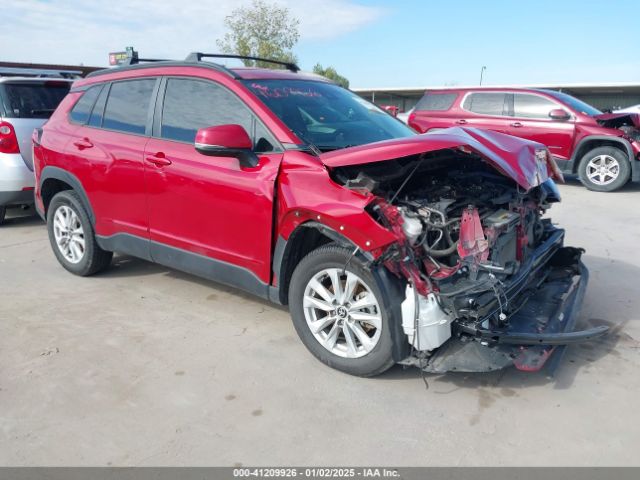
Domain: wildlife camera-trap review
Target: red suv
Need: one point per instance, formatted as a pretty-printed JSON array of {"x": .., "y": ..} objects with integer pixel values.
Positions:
[
  {"x": 602, "y": 148},
  {"x": 389, "y": 247}
]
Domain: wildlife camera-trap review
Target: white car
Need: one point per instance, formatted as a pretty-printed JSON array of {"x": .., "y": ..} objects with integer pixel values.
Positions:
[
  {"x": 25, "y": 104},
  {"x": 631, "y": 109},
  {"x": 404, "y": 117}
]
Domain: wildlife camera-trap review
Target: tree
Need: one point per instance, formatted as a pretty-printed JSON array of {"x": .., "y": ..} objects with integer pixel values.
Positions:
[
  {"x": 331, "y": 74},
  {"x": 261, "y": 30}
]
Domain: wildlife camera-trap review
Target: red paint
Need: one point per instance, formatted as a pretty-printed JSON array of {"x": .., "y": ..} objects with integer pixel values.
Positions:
[
  {"x": 229, "y": 136},
  {"x": 472, "y": 240},
  {"x": 562, "y": 137},
  {"x": 512, "y": 156},
  {"x": 8, "y": 139},
  {"x": 211, "y": 205}
]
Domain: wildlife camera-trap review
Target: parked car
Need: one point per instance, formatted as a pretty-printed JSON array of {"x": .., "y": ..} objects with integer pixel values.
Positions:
[
  {"x": 631, "y": 109},
  {"x": 25, "y": 103},
  {"x": 603, "y": 149},
  {"x": 388, "y": 246},
  {"x": 404, "y": 116}
]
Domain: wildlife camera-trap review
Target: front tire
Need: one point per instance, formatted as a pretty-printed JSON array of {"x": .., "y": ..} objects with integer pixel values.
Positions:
[
  {"x": 604, "y": 169},
  {"x": 340, "y": 317},
  {"x": 72, "y": 236},
  {"x": 3, "y": 213}
]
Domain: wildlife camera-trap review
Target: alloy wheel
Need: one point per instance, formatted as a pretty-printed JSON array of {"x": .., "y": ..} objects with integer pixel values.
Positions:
[
  {"x": 603, "y": 169},
  {"x": 342, "y": 313},
  {"x": 69, "y": 234}
]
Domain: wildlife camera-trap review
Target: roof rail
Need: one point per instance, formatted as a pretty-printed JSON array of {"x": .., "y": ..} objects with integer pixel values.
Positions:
[
  {"x": 198, "y": 56},
  {"x": 136, "y": 60}
]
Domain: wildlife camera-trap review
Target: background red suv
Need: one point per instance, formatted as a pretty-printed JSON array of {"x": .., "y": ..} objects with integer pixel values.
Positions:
[{"x": 602, "y": 148}]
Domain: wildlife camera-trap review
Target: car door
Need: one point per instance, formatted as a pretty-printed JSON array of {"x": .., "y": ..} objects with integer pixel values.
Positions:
[
  {"x": 531, "y": 121},
  {"x": 485, "y": 110},
  {"x": 107, "y": 154},
  {"x": 207, "y": 214}
]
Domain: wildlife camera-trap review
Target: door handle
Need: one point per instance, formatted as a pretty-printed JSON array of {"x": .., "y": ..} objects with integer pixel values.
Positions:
[
  {"x": 516, "y": 124},
  {"x": 82, "y": 144},
  {"x": 159, "y": 160},
  {"x": 461, "y": 122}
]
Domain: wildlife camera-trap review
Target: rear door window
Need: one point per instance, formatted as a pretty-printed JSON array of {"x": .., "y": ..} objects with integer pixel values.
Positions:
[
  {"x": 128, "y": 106},
  {"x": 487, "y": 103},
  {"x": 31, "y": 99},
  {"x": 532, "y": 106},
  {"x": 82, "y": 109},
  {"x": 433, "y": 102}
]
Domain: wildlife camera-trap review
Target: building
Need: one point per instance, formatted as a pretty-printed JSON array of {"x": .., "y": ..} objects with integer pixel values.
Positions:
[{"x": 601, "y": 95}]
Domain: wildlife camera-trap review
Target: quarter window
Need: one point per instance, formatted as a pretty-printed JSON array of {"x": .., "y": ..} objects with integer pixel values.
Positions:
[
  {"x": 532, "y": 106},
  {"x": 95, "y": 120},
  {"x": 436, "y": 101},
  {"x": 193, "y": 104},
  {"x": 128, "y": 106},
  {"x": 486, "y": 103},
  {"x": 81, "y": 110}
]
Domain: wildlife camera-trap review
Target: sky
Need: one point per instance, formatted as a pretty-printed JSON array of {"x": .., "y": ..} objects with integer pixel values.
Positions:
[{"x": 373, "y": 43}]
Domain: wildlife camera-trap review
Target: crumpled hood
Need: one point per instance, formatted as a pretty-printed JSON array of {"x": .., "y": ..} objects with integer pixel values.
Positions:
[
  {"x": 512, "y": 156},
  {"x": 617, "y": 120}
]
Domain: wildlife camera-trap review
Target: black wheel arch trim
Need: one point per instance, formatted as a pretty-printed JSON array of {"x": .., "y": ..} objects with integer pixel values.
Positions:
[
  {"x": 57, "y": 173},
  {"x": 283, "y": 249}
]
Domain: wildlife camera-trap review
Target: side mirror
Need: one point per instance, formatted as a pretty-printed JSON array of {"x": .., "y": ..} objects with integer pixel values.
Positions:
[
  {"x": 226, "y": 141},
  {"x": 559, "y": 114}
]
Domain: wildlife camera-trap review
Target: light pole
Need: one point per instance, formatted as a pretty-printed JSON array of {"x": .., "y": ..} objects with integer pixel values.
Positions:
[{"x": 482, "y": 72}]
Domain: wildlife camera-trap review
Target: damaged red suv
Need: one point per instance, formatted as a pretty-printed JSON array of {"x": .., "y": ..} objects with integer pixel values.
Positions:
[
  {"x": 389, "y": 247},
  {"x": 602, "y": 148}
]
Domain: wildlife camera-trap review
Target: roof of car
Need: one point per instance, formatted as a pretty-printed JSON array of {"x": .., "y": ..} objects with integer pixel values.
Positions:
[
  {"x": 488, "y": 89},
  {"x": 239, "y": 73},
  {"x": 34, "y": 79}
]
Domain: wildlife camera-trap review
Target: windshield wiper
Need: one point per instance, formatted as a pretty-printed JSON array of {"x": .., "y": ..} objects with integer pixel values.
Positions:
[{"x": 331, "y": 148}]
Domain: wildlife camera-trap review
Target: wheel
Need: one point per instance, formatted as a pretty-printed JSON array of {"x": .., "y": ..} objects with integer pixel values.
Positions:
[
  {"x": 339, "y": 314},
  {"x": 3, "y": 213},
  {"x": 604, "y": 169},
  {"x": 72, "y": 237}
]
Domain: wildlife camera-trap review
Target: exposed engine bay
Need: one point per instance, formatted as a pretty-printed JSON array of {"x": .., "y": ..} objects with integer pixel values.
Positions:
[{"x": 474, "y": 249}]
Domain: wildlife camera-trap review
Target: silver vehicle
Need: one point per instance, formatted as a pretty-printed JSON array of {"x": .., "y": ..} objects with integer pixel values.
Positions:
[{"x": 26, "y": 102}]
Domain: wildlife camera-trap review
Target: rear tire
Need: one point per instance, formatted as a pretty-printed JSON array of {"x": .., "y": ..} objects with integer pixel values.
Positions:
[
  {"x": 351, "y": 327},
  {"x": 3, "y": 213},
  {"x": 72, "y": 236},
  {"x": 604, "y": 169}
]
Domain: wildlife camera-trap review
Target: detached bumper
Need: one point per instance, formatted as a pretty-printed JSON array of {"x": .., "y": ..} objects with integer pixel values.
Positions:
[{"x": 536, "y": 334}]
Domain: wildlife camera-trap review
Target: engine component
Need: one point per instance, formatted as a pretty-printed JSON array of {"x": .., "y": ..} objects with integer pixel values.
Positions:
[
  {"x": 411, "y": 226},
  {"x": 424, "y": 322}
]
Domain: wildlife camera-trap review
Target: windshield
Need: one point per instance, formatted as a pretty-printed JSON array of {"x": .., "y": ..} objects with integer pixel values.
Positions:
[
  {"x": 574, "y": 103},
  {"x": 325, "y": 115},
  {"x": 31, "y": 99}
]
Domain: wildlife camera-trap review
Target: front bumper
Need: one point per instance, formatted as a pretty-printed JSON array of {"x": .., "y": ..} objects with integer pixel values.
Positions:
[{"x": 536, "y": 334}]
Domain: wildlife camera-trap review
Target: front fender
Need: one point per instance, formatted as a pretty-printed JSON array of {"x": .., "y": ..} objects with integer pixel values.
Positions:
[{"x": 306, "y": 193}]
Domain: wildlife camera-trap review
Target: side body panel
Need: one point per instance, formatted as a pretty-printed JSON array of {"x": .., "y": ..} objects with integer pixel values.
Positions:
[{"x": 211, "y": 206}]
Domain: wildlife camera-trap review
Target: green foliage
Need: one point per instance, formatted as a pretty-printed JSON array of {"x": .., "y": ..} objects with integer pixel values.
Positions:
[
  {"x": 261, "y": 30},
  {"x": 331, "y": 74}
]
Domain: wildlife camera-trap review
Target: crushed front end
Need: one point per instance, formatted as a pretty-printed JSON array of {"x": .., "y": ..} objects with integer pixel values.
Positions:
[{"x": 489, "y": 282}]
